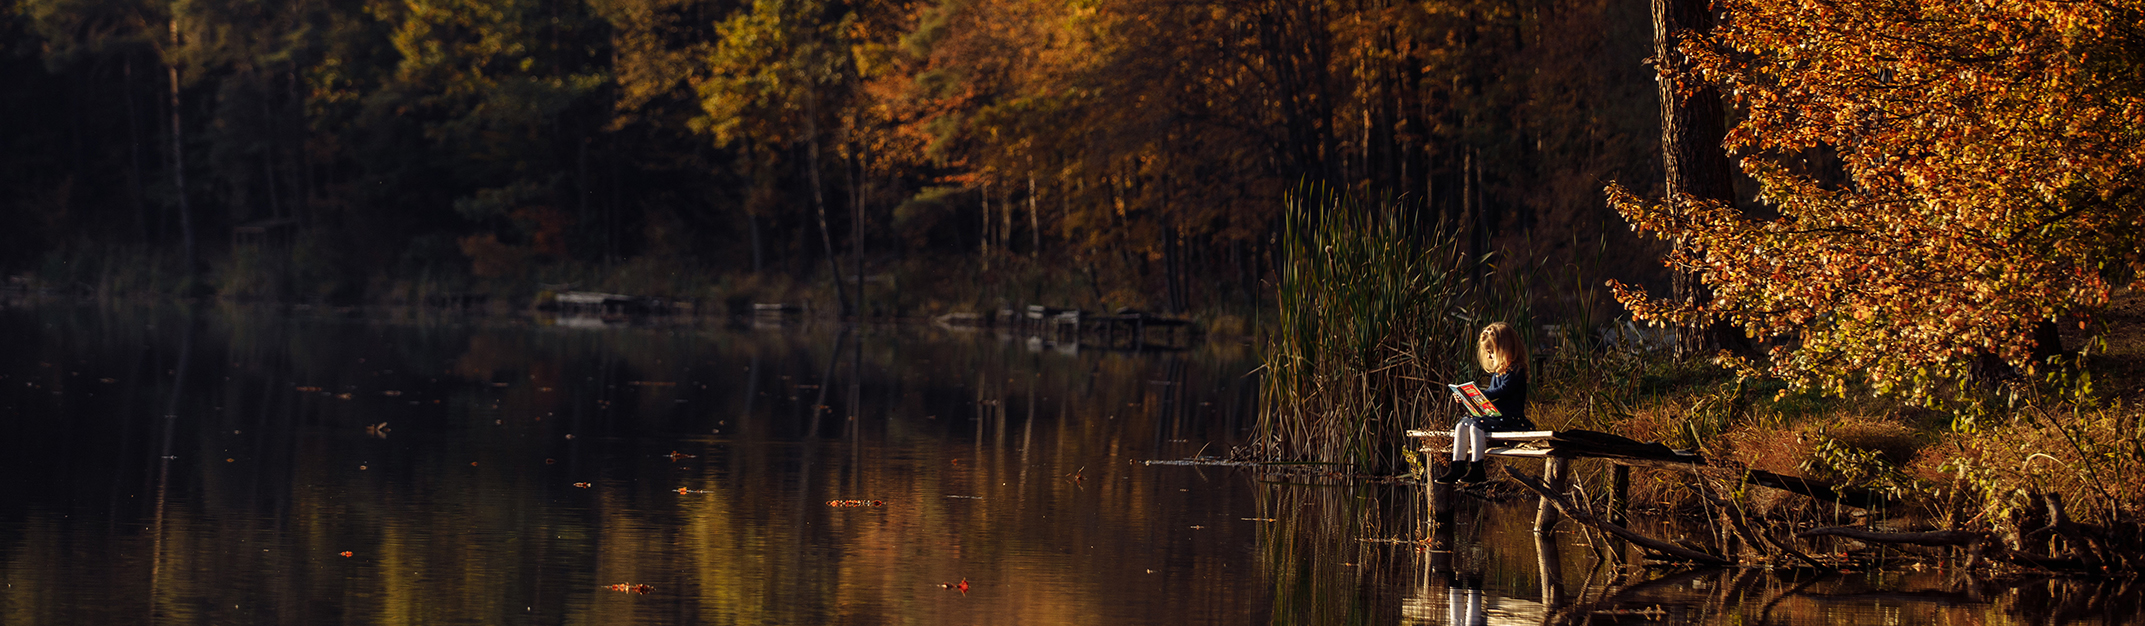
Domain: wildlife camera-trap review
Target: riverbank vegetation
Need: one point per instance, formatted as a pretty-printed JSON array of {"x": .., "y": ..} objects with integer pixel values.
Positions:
[{"x": 1929, "y": 311}]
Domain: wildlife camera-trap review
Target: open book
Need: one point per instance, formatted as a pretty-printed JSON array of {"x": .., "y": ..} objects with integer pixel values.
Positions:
[{"x": 1477, "y": 404}]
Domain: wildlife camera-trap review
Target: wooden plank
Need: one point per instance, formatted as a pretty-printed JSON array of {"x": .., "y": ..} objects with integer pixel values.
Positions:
[
  {"x": 1520, "y": 435},
  {"x": 1517, "y": 453}
]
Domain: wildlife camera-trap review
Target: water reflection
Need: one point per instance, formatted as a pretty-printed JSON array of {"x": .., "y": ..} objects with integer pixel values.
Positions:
[
  {"x": 214, "y": 466},
  {"x": 1010, "y": 469}
]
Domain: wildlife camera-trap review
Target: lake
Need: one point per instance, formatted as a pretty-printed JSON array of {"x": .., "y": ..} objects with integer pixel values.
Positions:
[{"x": 254, "y": 465}]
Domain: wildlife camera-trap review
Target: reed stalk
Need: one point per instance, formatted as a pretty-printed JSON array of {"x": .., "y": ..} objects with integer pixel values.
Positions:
[{"x": 1372, "y": 322}]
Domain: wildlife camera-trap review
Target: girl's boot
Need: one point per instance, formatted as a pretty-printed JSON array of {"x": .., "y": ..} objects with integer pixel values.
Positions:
[
  {"x": 1477, "y": 471},
  {"x": 1455, "y": 471}
]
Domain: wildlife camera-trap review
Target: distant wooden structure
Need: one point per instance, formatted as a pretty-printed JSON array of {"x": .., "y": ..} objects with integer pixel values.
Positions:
[
  {"x": 604, "y": 303},
  {"x": 1127, "y": 329}
]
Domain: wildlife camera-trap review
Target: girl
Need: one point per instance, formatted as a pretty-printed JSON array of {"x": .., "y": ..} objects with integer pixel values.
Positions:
[{"x": 1504, "y": 357}]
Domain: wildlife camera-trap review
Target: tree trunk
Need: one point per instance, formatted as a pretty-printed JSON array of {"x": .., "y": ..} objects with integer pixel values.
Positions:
[
  {"x": 1035, "y": 222},
  {"x": 178, "y": 156},
  {"x": 134, "y": 152},
  {"x": 819, "y": 205},
  {"x": 856, "y": 235},
  {"x": 1692, "y": 127}
]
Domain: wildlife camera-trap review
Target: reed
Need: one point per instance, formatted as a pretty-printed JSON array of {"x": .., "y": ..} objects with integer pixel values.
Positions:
[{"x": 1372, "y": 320}]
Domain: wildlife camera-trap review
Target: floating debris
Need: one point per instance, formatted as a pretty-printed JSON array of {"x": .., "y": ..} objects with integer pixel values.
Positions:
[
  {"x": 1402, "y": 542},
  {"x": 309, "y": 389},
  {"x": 675, "y": 455},
  {"x": 847, "y": 503},
  {"x": 377, "y": 430},
  {"x": 651, "y": 383},
  {"x": 632, "y": 588},
  {"x": 583, "y": 485},
  {"x": 347, "y": 554},
  {"x": 966, "y": 497},
  {"x": 1206, "y": 461},
  {"x": 684, "y": 491},
  {"x": 962, "y": 586},
  {"x": 342, "y": 396}
]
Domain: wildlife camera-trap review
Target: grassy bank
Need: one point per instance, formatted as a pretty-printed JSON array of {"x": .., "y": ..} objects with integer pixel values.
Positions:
[{"x": 2052, "y": 471}]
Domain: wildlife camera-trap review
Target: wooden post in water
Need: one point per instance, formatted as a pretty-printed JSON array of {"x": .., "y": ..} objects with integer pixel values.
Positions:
[
  {"x": 1556, "y": 473},
  {"x": 1547, "y": 560},
  {"x": 1620, "y": 495}
]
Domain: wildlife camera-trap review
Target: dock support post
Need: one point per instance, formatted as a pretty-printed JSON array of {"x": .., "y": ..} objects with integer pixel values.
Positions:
[
  {"x": 1556, "y": 473},
  {"x": 1551, "y": 566}
]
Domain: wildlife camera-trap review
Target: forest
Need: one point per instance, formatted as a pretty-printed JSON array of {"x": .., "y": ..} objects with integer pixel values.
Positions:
[{"x": 938, "y": 153}]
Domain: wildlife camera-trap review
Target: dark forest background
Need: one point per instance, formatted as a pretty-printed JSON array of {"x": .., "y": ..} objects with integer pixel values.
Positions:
[{"x": 952, "y": 153}]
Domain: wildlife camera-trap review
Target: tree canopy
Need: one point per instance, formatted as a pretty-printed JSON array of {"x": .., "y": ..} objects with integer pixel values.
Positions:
[{"x": 1935, "y": 180}]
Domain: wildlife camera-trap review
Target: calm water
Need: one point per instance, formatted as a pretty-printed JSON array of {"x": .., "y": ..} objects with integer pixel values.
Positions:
[{"x": 246, "y": 466}]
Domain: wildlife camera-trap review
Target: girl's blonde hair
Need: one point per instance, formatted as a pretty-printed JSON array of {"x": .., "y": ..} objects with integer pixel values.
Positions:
[{"x": 1499, "y": 349}]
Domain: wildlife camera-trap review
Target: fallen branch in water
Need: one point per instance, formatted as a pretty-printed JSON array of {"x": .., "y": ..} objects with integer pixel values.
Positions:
[
  {"x": 1582, "y": 516},
  {"x": 1837, "y": 494},
  {"x": 1931, "y": 538}
]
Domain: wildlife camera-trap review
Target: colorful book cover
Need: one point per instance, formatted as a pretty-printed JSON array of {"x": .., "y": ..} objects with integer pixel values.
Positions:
[{"x": 1471, "y": 397}]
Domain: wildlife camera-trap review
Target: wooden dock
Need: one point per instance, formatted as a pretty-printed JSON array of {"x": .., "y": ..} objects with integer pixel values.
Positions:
[{"x": 1559, "y": 451}]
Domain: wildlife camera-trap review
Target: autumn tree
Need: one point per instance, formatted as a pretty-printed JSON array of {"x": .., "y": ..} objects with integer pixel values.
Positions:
[{"x": 1989, "y": 159}]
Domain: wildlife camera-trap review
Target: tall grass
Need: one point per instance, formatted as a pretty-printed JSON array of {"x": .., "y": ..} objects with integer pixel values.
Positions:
[{"x": 1372, "y": 322}]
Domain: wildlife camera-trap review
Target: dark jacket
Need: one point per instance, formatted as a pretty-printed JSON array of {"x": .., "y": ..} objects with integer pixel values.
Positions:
[{"x": 1509, "y": 393}]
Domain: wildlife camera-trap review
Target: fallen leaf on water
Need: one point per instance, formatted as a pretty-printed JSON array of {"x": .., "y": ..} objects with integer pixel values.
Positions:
[
  {"x": 633, "y": 588},
  {"x": 583, "y": 485},
  {"x": 346, "y": 554},
  {"x": 962, "y": 586},
  {"x": 842, "y": 503}
]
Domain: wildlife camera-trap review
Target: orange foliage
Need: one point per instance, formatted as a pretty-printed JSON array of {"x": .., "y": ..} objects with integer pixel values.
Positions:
[{"x": 1990, "y": 153}]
